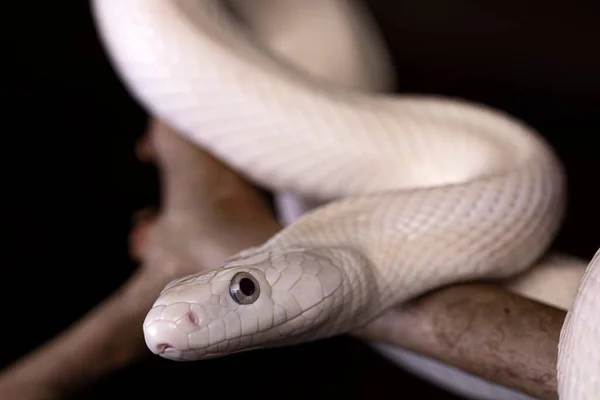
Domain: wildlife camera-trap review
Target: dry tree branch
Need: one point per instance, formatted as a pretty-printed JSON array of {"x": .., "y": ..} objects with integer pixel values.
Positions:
[{"x": 210, "y": 213}]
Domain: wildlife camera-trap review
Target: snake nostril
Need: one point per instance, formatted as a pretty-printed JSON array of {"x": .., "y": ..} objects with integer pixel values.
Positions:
[
  {"x": 163, "y": 348},
  {"x": 192, "y": 317}
]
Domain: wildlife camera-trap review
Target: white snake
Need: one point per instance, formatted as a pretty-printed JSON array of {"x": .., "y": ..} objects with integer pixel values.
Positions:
[{"x": 421, "y": 191}]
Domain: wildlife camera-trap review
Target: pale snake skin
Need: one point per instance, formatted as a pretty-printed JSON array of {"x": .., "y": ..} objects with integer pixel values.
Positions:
[{"x": 423, "y": 191}]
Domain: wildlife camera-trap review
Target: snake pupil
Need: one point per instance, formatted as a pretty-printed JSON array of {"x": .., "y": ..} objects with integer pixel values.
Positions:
[{"x": 247, "y": 287}]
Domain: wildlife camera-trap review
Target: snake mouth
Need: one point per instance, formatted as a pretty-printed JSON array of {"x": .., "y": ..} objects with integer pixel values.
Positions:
[{"x": 163, "y": 348}]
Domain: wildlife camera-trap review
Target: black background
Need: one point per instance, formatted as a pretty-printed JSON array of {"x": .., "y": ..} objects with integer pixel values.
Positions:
[{"x": 71, "y": 181}]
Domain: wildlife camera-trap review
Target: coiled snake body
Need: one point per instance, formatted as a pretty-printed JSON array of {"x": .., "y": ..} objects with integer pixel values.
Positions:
[{"x": 416, "y": 192}]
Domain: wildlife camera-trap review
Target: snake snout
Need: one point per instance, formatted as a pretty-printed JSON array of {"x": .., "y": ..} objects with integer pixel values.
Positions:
[
  {"x": 166, "y": 328},
  {"x": 165, "y": 337}
]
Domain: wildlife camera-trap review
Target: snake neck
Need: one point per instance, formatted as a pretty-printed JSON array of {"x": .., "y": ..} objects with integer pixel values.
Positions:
[
  {"x": 395, "y": 246},
  {"x": 352, "y": 291}
]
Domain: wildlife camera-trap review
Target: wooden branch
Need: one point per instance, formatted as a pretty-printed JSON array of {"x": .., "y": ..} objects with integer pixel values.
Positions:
[
  {"x": 211, "y": 213},
  {"x": 481, "y": 329}
]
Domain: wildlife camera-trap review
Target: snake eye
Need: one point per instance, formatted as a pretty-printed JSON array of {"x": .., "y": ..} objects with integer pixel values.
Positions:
[{"x": 244, "y": 288}]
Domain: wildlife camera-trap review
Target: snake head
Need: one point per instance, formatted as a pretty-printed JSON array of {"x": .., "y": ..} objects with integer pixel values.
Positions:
[{"x": 265, "y": 299}]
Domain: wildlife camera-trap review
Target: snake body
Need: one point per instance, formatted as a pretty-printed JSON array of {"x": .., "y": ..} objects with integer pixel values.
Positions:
[{"x": 413, "y": 192}]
